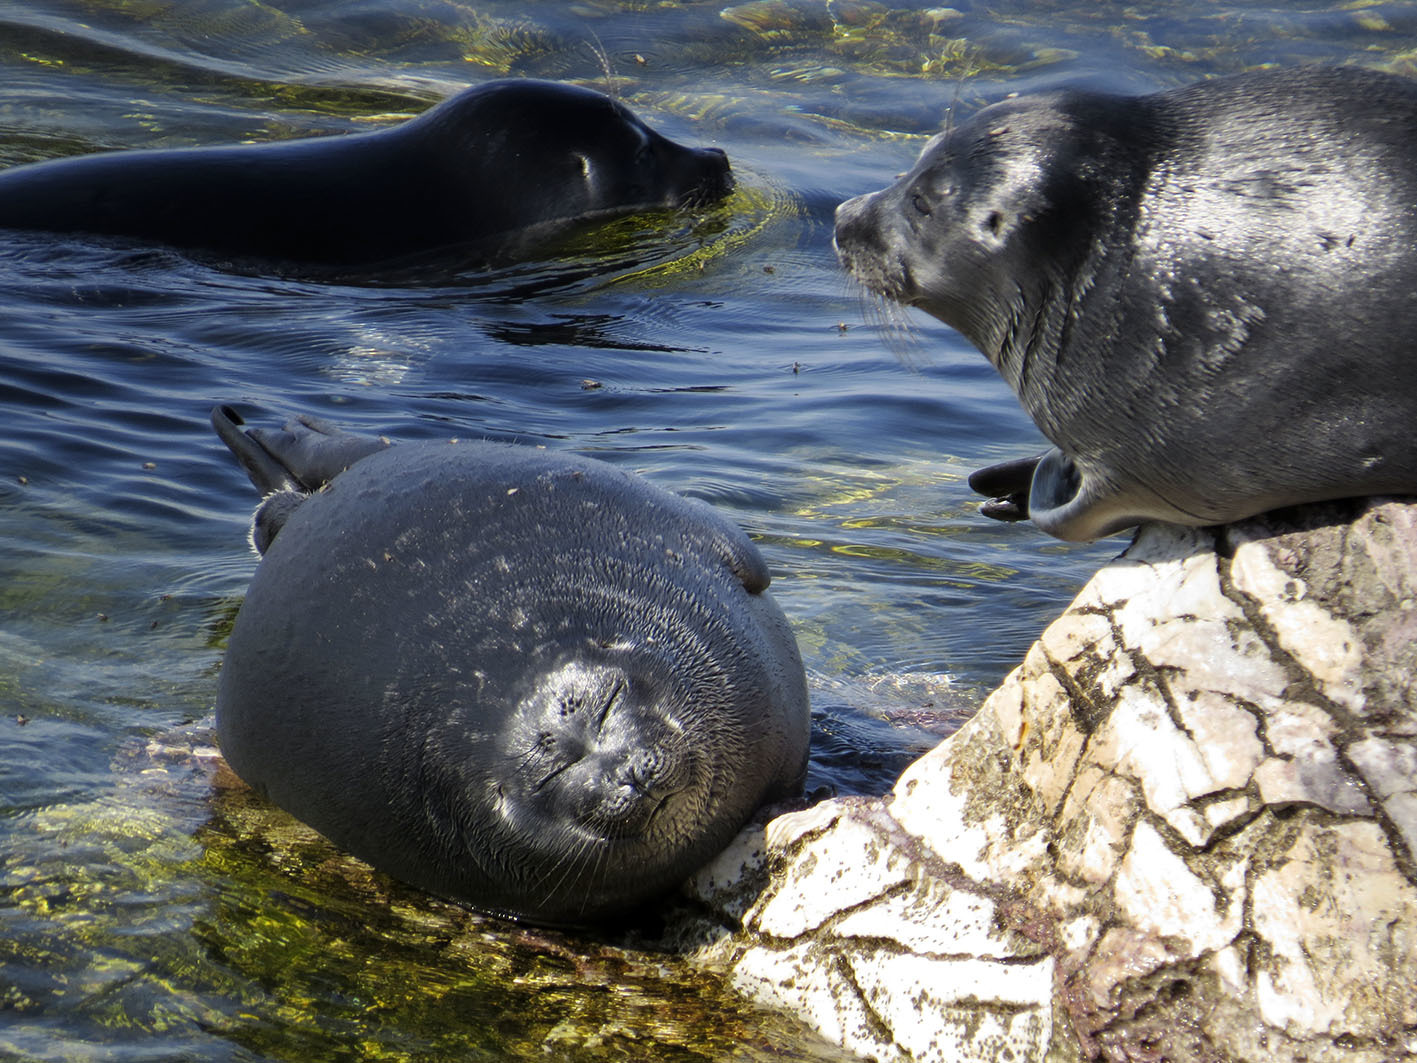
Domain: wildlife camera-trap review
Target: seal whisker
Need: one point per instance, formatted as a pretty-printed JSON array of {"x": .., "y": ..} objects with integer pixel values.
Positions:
[
  {"x": 577, "y": 863},
  {"x": 892, "y": 322},
  {"x": 597, "y": 49}
]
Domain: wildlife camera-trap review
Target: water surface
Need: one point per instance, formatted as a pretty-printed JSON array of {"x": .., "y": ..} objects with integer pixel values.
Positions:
[{"x": 148, "y": 913}]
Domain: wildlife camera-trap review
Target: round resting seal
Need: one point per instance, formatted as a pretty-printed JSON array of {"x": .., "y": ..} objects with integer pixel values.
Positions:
[
  {"x": 491, "y": 172},
  {"x": 1205, "y": 298},
  {"x": 526, "y": 681}
]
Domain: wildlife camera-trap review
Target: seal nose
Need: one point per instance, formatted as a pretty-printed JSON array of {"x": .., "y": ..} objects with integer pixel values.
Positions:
[
  {"x": 720, "y": 172},
  {"x": 709, "y": 176},
  {"x": 853, "y": 229}
]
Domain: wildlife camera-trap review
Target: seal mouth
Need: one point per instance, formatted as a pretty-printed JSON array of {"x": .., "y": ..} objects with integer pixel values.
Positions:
[{"x": 606, "y": 830}]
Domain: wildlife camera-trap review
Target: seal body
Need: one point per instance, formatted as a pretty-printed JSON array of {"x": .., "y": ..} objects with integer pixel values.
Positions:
[
  {"x": 1205, "y": 298},
  {"x": 491, "y": 170},
  {"x": 525, "y": 681}
]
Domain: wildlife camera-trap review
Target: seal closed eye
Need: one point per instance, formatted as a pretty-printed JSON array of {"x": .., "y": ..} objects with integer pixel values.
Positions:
[
  {"x": 526, "y": 681},
  {"x": 491, "y": 172},
  {"x": 1205, "y": 298}
]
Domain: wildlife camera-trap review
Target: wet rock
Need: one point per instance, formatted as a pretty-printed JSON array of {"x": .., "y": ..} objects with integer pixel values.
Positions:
[{"x": 1182, "y": 829}]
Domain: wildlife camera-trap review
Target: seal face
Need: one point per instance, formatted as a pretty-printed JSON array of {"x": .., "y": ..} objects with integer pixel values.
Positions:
[
  {"x": 1204, "y": 298},
  {"x": 529, "y": 682},
  {"x": 491, "y": 171}
]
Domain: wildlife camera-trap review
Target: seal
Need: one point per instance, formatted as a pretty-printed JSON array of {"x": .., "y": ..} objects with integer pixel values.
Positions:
[
  {"x": 493, "y": 171},
  {"x": 1203, "y": 297},
  {"x": 529, "y": 682}
]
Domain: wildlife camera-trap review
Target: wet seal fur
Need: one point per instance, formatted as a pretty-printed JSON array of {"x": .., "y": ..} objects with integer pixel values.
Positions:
[
  {"x": 1205, "y": 298},
  {"x": 526, "y": 681},
  {"x": 492, "y": 171}
]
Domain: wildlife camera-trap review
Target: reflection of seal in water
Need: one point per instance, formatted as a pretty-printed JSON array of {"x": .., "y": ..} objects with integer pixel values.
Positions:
[
  {"x": 493, "y": 168},
  {"x": 1204, "y": 298},
  {"x": 529, "y": 682}
]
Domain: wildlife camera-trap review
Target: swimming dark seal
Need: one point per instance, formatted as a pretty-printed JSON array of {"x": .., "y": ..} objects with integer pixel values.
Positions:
[
  {"x": 526, "y": 681},
  {"x": 494, "y": 169},
  {"x": 1205, "y": 298}
]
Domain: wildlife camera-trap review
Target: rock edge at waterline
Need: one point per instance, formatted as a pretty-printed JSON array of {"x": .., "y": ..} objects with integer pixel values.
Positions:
[{"x": 1183, "y": 828}]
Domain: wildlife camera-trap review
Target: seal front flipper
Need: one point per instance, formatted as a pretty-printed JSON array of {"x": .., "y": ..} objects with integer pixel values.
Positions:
[
  {"x": 1007, "y": 485},
  {"x": 732, "y": 545},
  {"x": 745, "y": 561},
  {"x": 1050, "y": 490}
]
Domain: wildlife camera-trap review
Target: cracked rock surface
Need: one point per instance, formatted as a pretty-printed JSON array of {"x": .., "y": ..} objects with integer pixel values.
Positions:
[{"x": 1183, "y": 829}]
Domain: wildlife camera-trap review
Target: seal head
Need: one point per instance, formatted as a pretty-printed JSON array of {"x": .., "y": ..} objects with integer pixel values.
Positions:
[{"x": 526, "y": 681}]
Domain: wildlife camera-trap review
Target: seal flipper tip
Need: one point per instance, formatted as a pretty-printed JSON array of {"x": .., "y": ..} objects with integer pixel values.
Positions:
[
  {"x": 314, "y": 451},
  {"x": 1011, "y": 508},
  {"x": 1008, "y": 484},
  {"x": 265, "y": 472}
]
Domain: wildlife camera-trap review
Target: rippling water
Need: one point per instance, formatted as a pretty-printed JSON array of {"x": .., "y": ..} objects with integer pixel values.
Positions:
[{"x": 720, "y": 353}]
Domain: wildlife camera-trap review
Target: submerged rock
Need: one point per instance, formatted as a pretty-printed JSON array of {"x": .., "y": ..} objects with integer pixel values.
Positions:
[{"x": 1184, "y": 828}]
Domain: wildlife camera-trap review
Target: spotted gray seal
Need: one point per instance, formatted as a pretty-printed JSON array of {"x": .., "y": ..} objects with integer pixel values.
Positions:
[
  {"x": 489, "y": 172},
  {"x": 526, "y": 681},
  {"x": 1205, "y": 298}
]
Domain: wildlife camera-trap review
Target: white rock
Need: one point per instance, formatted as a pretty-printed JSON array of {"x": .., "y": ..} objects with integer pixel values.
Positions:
[
  {"x": 1159, "y": 894},
  {"x": 1183, "y": 828},
  {"x": 1328, "y": 646}
]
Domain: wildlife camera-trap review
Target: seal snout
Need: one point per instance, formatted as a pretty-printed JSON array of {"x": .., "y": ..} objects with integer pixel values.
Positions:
[
  {"x": 709, "y": 177},
  {"x": 640, "y": 783},
  {"x": 861, "y": 239},
  {"x": 853, "y": 226},
  {"x": 600, "y": 749}
]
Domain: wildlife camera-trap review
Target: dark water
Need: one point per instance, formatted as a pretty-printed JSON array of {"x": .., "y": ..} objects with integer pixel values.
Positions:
[{"x": 145, "y": 914}]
